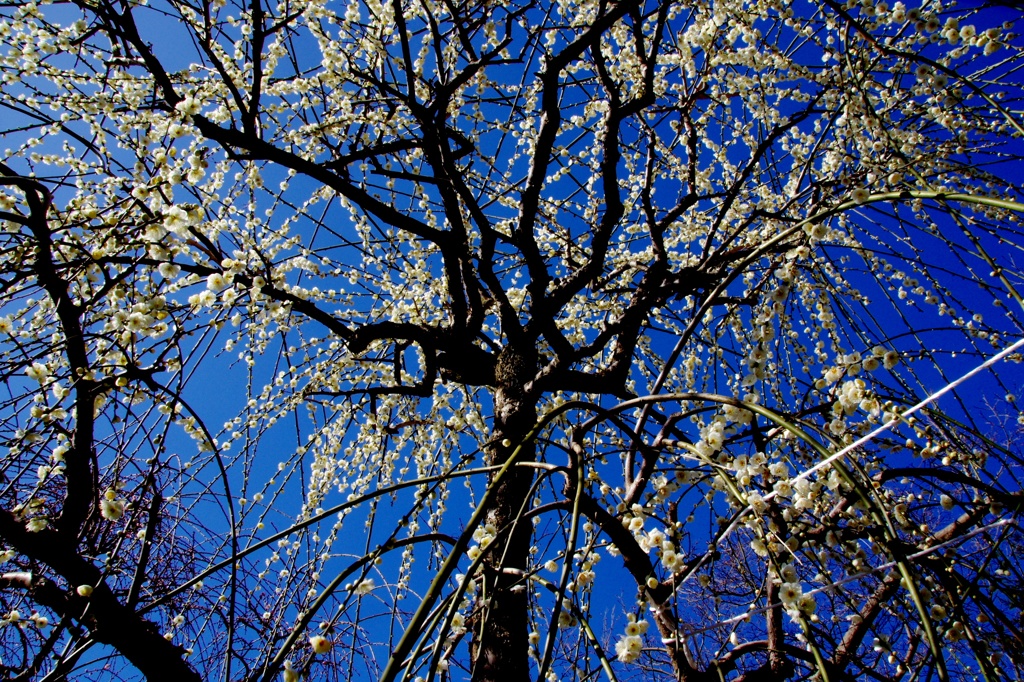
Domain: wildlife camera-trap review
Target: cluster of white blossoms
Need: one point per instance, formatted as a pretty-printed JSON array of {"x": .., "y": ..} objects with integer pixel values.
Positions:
[
  {"x": 112, "y": 507},
  {"x": 670, "y": 556},
  {"x": 362, "y": 587},
  {"x": 712, "y": 437},
  {"x": 747, "y": 468},
  {"x": 631, "y": 643},
  {"x": 791, "y": 594},
  {"x": 33, "y": 513},
  {"x": 483, "y": 536},
  {"x": 458, "y": 622},
  {"x": 566, "y": 617},
  {"x": 14, "y": 618}
]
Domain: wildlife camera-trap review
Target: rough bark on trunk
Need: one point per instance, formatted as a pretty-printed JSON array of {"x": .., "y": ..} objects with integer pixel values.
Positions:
[{"x": 500, "y": 647}]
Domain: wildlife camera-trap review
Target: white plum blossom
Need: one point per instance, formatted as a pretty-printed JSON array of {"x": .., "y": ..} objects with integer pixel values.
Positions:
[
  {"x": 630, "y": 644},
  {"x": 320, "y": 644},
  {"x": 38, "y": 372},
  {"x": 216, "y": 282},
  {"x": 189, "y": 106},
  {"x": 790, "y": 593},
  {"x": 111, "y": 510}
]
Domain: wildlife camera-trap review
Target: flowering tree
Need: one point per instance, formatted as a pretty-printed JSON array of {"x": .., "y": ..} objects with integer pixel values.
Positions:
[{"x": 407, "y": 340}]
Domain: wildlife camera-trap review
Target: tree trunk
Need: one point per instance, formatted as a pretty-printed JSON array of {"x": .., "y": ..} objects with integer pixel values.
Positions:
[
  {"x": 108, "y": 620},
  {"x": 501, "y": 647}
]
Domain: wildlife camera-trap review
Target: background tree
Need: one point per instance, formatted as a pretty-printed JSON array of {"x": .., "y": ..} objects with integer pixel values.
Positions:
[{"x": 446, "y": 339}]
